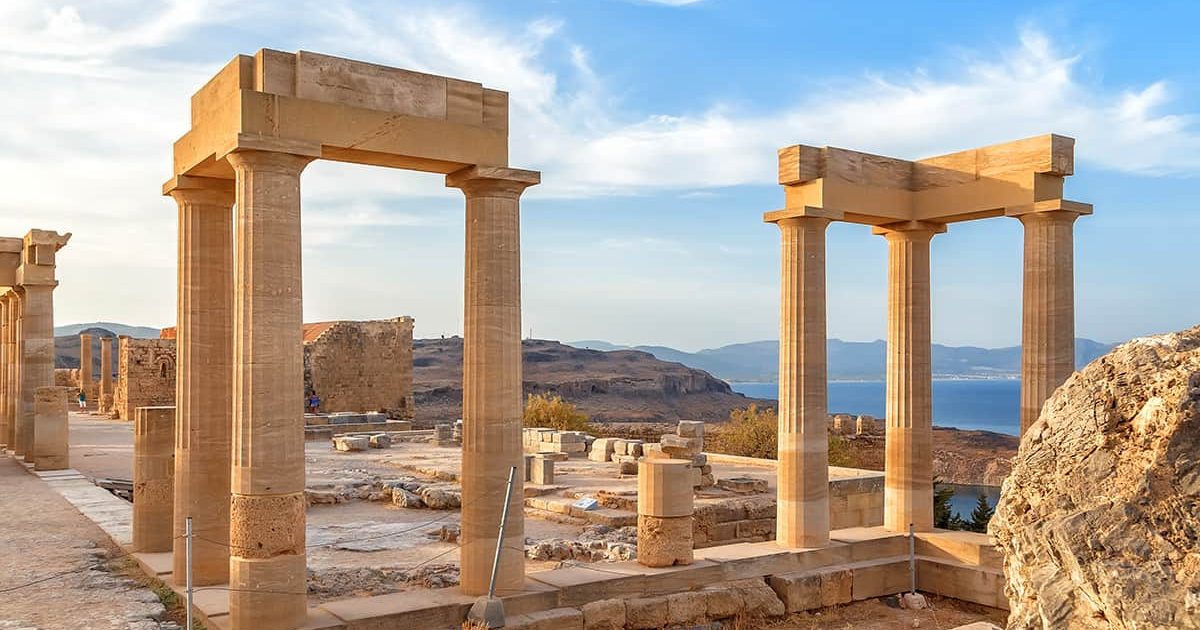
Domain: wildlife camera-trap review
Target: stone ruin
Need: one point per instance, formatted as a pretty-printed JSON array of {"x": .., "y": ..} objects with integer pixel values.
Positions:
[
  {"x": 361, "y": 366},
  {"x": 145, "y": 376}
]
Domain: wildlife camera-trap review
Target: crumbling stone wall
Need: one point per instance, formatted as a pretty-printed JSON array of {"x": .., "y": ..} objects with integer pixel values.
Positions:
[
  {"x": 361, "y": 366},
  {"x": 146, "y": 376}
]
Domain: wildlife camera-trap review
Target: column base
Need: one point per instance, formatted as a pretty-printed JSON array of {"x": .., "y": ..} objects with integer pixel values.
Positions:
[
  {"x": 664, "y": 541},
  {"x": 268, "y": 594}
]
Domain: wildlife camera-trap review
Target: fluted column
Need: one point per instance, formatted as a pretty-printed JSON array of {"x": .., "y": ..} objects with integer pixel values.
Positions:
[
  {"x": 104, "y": 404},
  {"x": 266, "y": 529},
  {"x": 1048, "y": 312},
  {"x": 4, "y": 419},
  {"x": 908, "y": 458},
  {"x": 37, "y": 354},
  {"x": 204, "y": 376},
  {"x": 492, "y": 375},
  {"x": 13, "y": 381},
  {"x": 803, "y": 473},
  {"x": 85, "y": 368}
]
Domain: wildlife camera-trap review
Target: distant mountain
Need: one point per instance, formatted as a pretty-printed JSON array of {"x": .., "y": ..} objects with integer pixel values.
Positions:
[
  {"x": 758, "y": 361},
  {"x": 137, "y": 332}
]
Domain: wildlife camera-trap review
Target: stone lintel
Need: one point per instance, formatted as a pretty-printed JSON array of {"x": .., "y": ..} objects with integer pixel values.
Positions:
[
  {"x": 776, "y": 216},
  {"x": 1052, "y": 205},
  {"x": 909, "y": 226},
  {"x": 47, "y": 237},
  {"x": 11, "y": 244}
]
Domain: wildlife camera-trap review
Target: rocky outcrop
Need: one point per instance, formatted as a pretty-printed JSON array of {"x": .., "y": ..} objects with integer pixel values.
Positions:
[{"x": 1099, "y": 521}]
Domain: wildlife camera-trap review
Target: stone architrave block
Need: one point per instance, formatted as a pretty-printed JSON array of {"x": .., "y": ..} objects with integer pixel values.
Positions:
[
  {"x": 602, "y": 449},
  {"x": 690, "y": 428}
]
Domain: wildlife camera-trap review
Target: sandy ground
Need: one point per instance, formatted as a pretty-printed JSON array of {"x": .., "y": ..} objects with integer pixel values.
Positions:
[
  {"x": 883, "y": 614},
  {"x": 43, "y": 537}
]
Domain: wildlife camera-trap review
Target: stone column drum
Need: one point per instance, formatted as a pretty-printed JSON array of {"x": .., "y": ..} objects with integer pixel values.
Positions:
[
  {"x": 204, "y": 373},
  {"x": 153, "y": 478},
  {"x": 37, "y": 369},
  {"x": 267, "y": 570},
  {"x": 104, "y": 404},
  {"x": 803, "y": 475},
  {"x": 492, "y": 389},
  {"x": 51, "y": 450},
  {"x": 1048, "y": 312},
  {"x": 908, "y": 457},
  {"x": 85, "y": 369},
  {"x": 665, "y": 506}
]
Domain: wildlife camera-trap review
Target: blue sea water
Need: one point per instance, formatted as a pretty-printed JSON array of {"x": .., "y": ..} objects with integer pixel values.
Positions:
[{"x": 984, "y": 405}]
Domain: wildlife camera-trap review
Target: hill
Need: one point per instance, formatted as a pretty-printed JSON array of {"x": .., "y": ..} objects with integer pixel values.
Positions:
[
  {"x": 138, "y": 332},
  {"x": 616, "y": 386},
  {"x": 758, "y": 361}
]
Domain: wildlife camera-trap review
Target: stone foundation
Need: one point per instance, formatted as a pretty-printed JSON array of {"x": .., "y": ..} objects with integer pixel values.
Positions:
[{"x": 664, "y": 542}]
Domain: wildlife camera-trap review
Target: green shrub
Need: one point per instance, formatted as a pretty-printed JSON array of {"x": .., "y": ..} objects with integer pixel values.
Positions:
[
  {"x": 754, "y": 432},
  {"x": 552, "y": 412}
]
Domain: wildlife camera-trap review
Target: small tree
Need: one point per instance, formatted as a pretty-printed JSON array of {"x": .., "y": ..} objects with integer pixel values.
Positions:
[
  {"x": 980, "y": 515},
  {"x": 941, "y": 507},
  {"x": 754, "y": 432},
  {"x": 552, "y": 412}
]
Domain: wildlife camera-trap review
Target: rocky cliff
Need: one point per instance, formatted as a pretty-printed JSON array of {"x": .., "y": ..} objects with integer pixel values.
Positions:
[
  {"x": 619, "y": 386},
  {"x": 1099, "y": 521}
]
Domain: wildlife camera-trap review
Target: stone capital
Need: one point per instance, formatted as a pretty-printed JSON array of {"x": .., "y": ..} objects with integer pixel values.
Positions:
[
  {"x": 200, "y": 190},
  {"x": 271, "y": 161},
  {"x": 802, "y": 212},
  {"x": 493, "y": 181},
  {"x": 909, "y": 230},
  {"x": 1052, "y": 207}
]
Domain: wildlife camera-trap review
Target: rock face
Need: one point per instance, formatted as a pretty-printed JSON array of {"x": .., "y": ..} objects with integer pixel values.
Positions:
[{"x": 1099, "y": 521}]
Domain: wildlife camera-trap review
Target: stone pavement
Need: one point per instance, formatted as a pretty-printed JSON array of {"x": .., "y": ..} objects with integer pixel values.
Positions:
[{"x": 45, "y": 538}]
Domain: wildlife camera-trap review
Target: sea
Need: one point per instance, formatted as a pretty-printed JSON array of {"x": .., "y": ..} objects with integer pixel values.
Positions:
[{"x": 978, "y": 404}]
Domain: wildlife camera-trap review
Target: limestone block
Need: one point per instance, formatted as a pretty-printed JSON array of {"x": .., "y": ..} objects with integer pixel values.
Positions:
[
  {"x": 807, "y": 590},
  {"x": 153, "y": 478},
  {"x": 664, "y": 542},
  {"x": 690, "y": 445},
  {"x": 627, "y": 467},
  {"x": 570, "y": 437},
  {"x": 553, "y": 619},
  {"x": 556, "y": 456},
  {"x": 602, "y": 449},
  {"x": 351, "y": 443},
  {"x": 700, "y": 460},
  {"x": 528, "y": 466},
  {"x": 759, "y": 599},
  {"x": 690, "y": 428},
  {"x": 665, "y": 488},
  {"x": 405, "y": 499},
  {"x": 686, "y": 608},
  {"x": 380, "y": 440},
  {"x": 606, "y": 614},
  {"x": 648, "y": 613},
  {"x": 633, "y": 448},
  {"x": 50, "y": 436},
  {"x": 620, "y": 447},
  {"x": 441, "y": 498},
  {"x": 721, "y": 602},
  {"x": 542, "y": 471}
]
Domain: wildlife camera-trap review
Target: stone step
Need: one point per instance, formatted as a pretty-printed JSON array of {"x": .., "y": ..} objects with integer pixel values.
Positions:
[
  {"x": 971, "y": 583},
  {"x": 970, "y": 548}
]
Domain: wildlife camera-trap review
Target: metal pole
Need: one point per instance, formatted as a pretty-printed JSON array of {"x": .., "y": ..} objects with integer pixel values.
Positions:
[
  {"x": 188, "y": 533},
  {"x": 912, "y": 559},
  {"x": 512, "y": 475}
]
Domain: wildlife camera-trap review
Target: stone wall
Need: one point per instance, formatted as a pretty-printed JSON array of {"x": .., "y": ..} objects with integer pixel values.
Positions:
[
  {"x": 146, "y": 375},
  {"x": 360, "y": 366}
]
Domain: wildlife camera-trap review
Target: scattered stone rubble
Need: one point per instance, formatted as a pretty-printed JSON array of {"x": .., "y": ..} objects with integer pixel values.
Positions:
[
  {"x": 597, "y": 543},
  {"x": 332, "y": 584},
  {"x": 408, "y": 493}
]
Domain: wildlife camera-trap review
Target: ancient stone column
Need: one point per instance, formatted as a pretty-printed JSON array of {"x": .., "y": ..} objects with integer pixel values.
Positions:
[
  {"x": 908, "y": 458},
  {"x": 37, "y": 369},
  {"x": 492, "y": 390},
  {"x": 51, "y": 442},
  {"x": 85, "y": 369},
  {"x": 106, "y": 381},
  {"x": 266, "y": 520},
  {"x": 803, "y": 473},
  {"x": 13, "y": 380},
  {"x": 153, "y": 479},
  {"x": 665, "y": 506},
  {"x": 4, "y": 330},
  {"x": 1048, "y": 313},
  {"x": 204, "y": 375}
]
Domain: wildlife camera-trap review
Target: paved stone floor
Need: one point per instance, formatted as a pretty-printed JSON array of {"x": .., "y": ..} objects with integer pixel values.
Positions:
[{"x": 42, "y": 537}]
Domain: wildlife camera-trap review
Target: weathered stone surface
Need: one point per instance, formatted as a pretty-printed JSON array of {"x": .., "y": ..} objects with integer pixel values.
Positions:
[
  {"x": 686, "y": 608},
  {"x": 722, "y": 602},
  {"x": 690, "y": 428},
  {"x": 406, "y": 499},
  {"x": 646, "y": 613},
  {"x": 380, "y": 441},
  {"x": 440, "y": 498},
  {"x": 664, "y": 542},
  {"x": 1099, "y": 521},
  {"x": 606, "y": 614},
  {"x": 351, "y": 443},
  {"x": 758, "y": 599}
]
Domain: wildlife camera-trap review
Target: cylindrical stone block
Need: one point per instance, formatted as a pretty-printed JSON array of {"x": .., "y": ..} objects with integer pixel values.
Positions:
[
  {"x": 153, "y": 478},
  {"x": 106, "y": 382},
  {"x": 665, "y": 488},
  {"x": 37, "y": 359},
  {"x": 4, "y": 307},
  {"x": 51, "y": 449},
  {"x": 664, "y": 542},
  {"x": 85, "y": 369}
]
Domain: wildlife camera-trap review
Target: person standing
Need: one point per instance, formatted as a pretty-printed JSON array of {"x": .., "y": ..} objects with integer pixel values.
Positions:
[{"x": 82, "y": 400}]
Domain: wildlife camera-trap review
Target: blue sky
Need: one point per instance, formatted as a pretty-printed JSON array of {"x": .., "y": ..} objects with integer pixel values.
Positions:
[{"x": 655, "y": 125}]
